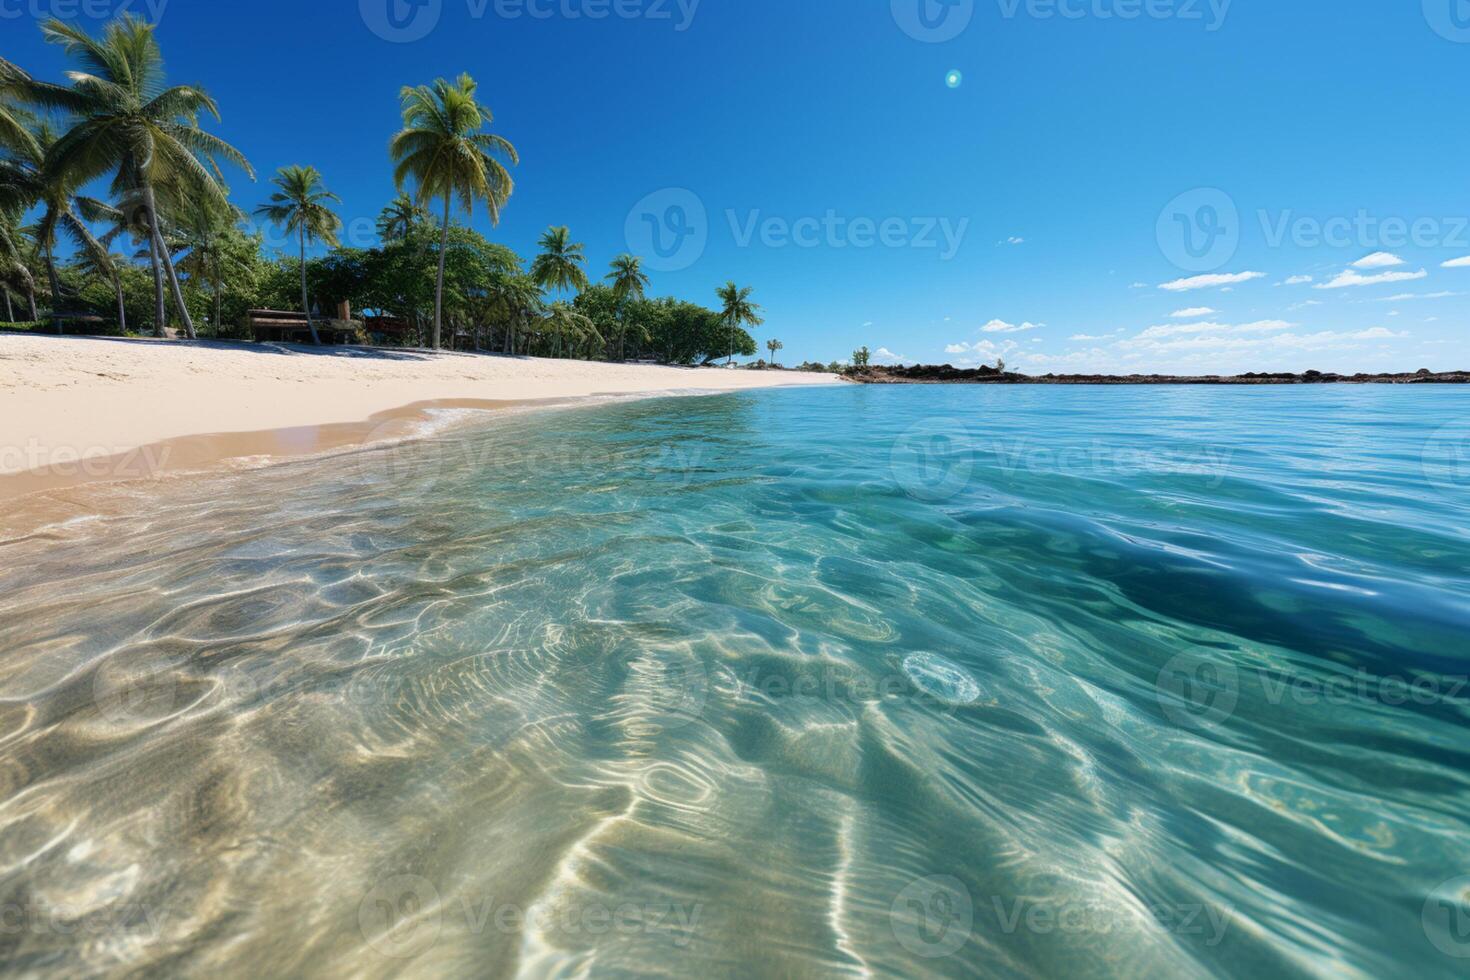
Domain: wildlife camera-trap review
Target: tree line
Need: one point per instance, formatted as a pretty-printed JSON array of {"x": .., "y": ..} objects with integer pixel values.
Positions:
[{"x": 166, "y": 247}]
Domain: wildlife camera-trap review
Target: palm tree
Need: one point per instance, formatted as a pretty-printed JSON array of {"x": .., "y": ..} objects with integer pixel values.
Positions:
[
  {"x": 628, "y": 283},
  {"x": 215, "y": 244},
  {"x": 444, "y": 150},
  {"x": 560, "y": 265},
  {"x": 300, "y": 205},
  {"x": 129, "y": 124},
  {"x": 103, "y": 264},
  {"x": 515, "y": 298},
  {"x": 27, "y": 180},
  {"x": 773, "y": 346},
  {"x": 563, "y": 322},
  {"x": 738, "y": 311},
  {"x": 15, "y": 121},
  {"x": 398, "y": 220}
]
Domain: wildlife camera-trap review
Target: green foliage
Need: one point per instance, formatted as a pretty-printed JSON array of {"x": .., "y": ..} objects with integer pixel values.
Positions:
[{"x": 170, "y": 206}]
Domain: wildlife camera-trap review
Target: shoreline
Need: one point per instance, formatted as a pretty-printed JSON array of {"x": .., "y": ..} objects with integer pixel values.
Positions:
[
  {"x": 76, "y": 411},
  {"x": 946, "y": 374}
]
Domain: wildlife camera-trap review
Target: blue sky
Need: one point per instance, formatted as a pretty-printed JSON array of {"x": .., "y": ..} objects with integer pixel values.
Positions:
[{"x": 1092, "y": 152}]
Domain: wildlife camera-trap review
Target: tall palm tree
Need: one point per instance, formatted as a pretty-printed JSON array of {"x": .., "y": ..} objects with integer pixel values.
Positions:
[
  {"x": 128, "y": 124},
  {"x": 398, "y": 220},
  {"x": 738, "y": 311},
  {"x": 445, "y": 151},
  {"x": 560, "y": 264},
  {"x": 628, "y": 283},
  {"x": 774, "y": 346},
  {"x": 300, "y": 205}
]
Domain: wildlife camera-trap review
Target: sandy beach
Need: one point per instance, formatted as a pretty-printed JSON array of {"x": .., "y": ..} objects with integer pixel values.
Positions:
[{"x": 66, "y": 400}]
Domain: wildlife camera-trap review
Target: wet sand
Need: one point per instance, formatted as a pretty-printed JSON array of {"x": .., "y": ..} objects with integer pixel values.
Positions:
[{"x": 79, "y": 409}]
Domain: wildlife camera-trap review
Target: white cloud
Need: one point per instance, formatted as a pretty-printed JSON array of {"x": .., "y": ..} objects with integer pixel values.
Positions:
[
  {"x": 1378, "y": 260},
  {"x": 868, "y": 324},
  {"x": 884, "y": 354},
  {"x": 1139, "y": 285},
  {"x": 1193, "y": 311},
  {"x": 1013, "y": 240},
  {"x": 1178, "y": 329},
  {"x": 1459, "y": 263},
  {"x": 1295, "y": 281},
  {"x": 1378, "y": 333},
  {"x": 1351, "y": 278},
  {"x": 1401, "y": 297},
  {"x": 1206, "y": 282},
  {"x": 1000, "y": 326},
  {"x": 1304, "y": 304},
  {"x": 957, "y": 348}
]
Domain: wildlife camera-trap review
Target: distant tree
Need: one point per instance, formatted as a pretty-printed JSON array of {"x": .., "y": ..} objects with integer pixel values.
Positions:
[
  {"x": 628, "y": 283},
  {"x": 861, "y": 358},
  {"x": 560, "y": 265},
  {"x": 300, "y": 205},
  {"x": 738, "y": 311},
  {"x": 1000, "y": 365},
  {"x": 773, "y": 346},
  {"x": 402, "y": 218}
]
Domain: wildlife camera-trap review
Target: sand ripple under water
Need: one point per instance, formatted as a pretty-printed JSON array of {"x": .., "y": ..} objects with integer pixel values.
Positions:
[{"x": 867, "y": 682}]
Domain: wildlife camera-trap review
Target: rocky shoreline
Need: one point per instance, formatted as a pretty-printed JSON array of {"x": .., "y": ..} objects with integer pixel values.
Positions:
[{"x": 948, "y": 374}]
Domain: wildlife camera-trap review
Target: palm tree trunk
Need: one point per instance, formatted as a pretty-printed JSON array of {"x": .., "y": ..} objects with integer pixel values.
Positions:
[
  {"x": 168, "y": 264},
  {"x": 439, "y": 289},
  {"x": 122, "y": 306},
  {"x": 9, "y": 312},
  {"x": 55, "y": 288},
  {"x": 306, "y": 307},
  {"x": 160, "y": 308},
  {"x": 31, "y": 295},
  {"x": 219, "y": 297}
]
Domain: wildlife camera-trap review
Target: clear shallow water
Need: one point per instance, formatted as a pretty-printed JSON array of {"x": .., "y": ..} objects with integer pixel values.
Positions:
[{"x": 890, "y": 681}]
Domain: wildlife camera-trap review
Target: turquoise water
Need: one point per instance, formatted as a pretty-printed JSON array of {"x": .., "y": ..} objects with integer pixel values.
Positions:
[{"x": 1023, "y": 682}]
